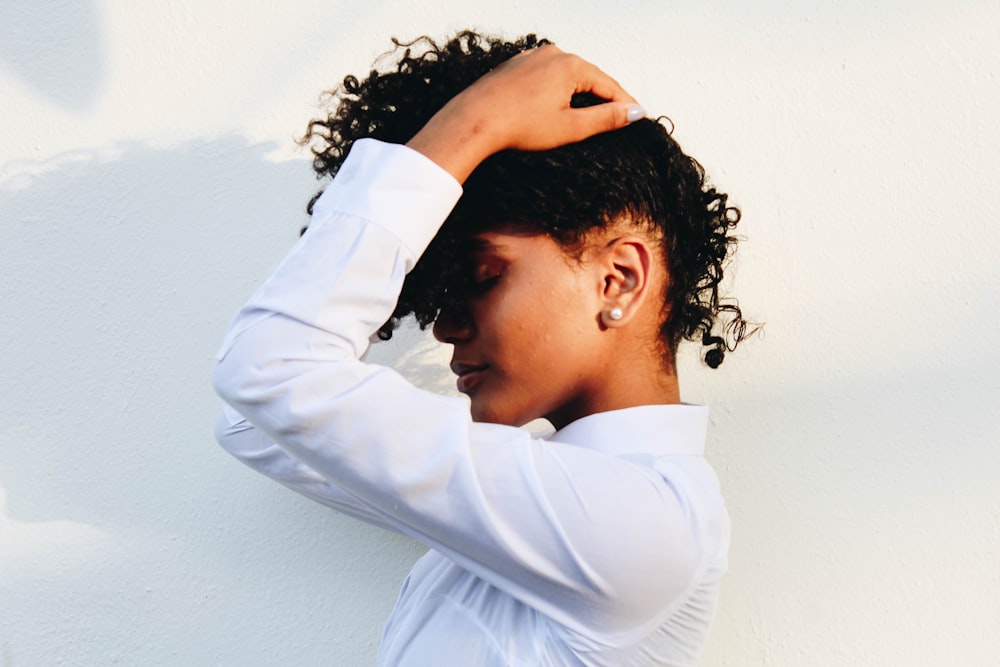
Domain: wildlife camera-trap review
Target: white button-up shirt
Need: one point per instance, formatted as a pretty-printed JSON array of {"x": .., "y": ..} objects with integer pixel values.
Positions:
[{"x": 603, "y": 544}]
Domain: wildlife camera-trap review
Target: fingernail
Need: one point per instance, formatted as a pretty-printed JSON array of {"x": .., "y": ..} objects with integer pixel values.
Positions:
[{"x": 635, "y": 112}]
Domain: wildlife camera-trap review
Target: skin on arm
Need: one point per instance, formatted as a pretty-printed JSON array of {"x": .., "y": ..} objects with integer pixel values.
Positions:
[{"x": 523, "y": 104}]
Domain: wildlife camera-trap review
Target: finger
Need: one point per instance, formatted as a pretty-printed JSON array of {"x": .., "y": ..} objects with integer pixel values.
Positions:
[
  {"x": 609, "y": 89},
  {"x": 588, "y": 121},
  {"x": 594, "y": 80}
]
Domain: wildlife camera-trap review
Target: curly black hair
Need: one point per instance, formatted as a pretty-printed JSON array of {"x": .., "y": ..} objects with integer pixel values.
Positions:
[{"x": 639, "y": 172}]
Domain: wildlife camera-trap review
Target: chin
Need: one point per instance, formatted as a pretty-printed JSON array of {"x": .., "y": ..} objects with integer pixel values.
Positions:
[
  {"x": 483, "y": 413},
  {"x": 487, "y": 417}
]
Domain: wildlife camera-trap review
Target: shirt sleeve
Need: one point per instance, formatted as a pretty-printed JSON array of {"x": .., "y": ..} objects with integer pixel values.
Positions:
[
  {"x": 251, "y": 446},
  {"x": 600, "y": 544}
]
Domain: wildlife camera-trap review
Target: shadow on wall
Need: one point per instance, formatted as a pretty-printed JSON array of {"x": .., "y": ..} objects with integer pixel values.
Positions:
[
  {"x": 122, "y": 275},
  {"x": 122, "y": 271},
  {"x": 54, "y": 48}
]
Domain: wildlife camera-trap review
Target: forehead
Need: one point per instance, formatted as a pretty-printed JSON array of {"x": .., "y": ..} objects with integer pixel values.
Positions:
[
  {"x": 507, "y": 241},
  {"x": 512, "y": 242},
  {"x": 519, "y": 249}
]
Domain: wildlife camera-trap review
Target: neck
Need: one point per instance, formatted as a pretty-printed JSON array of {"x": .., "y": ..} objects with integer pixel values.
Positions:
[{"x": 625, "y": 384}]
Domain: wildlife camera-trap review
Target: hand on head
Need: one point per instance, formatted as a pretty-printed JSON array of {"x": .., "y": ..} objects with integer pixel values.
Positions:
[{"x": 524, "y": 104}]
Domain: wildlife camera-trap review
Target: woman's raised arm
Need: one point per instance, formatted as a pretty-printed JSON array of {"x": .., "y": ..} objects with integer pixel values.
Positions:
[{"x": 524, "y": 104}]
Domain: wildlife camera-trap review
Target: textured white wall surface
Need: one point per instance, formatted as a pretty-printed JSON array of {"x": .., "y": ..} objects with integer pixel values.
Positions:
[{"x": 149, "y": 179}]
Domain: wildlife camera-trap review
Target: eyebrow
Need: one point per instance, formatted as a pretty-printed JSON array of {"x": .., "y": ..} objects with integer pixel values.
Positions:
[{"x": 479, "y": 244}]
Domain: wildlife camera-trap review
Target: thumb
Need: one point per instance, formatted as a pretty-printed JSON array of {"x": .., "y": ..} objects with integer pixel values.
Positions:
[{"x": 608, "y": 116}]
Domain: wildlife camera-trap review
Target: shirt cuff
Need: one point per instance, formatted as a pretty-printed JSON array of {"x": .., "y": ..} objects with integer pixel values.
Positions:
[{"x": 421, "y": 194}]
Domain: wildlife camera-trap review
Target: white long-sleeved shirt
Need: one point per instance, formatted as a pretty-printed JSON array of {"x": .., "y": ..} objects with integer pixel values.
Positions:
[{"x": 603, "y": 544}]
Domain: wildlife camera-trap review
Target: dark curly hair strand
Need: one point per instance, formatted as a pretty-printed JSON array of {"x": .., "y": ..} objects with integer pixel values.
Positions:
[{"x": 639, "y": 172}]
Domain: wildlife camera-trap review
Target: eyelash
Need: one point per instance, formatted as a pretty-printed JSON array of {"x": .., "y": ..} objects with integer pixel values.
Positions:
[{"x": 483, "y": 286}]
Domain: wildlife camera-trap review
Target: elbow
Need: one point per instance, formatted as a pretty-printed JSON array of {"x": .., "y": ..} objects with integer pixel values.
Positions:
[
  {"x": 223, "y": 381},
  {"x": 232, "y": 377},
  {"x": 278, "y": 369},
  {"x": 247, "y": 365}
]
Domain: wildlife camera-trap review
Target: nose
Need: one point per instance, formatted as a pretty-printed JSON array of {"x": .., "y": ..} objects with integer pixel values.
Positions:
[{"x": 453, "y": 325}]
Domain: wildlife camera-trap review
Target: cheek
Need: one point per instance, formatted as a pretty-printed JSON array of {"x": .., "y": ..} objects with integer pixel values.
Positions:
[
  {"x": 535, "y": 316},
  {"x": 510, "y": 315}
]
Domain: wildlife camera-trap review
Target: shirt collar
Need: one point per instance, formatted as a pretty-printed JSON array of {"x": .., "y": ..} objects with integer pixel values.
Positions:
[{"x": 660, "y": 430}]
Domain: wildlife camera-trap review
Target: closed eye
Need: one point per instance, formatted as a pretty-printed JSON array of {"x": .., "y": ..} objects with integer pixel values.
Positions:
[{"x": 484, "y": 285}]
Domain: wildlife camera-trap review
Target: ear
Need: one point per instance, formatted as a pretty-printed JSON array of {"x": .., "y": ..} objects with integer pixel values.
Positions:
[{"x": 626, "y": 264}]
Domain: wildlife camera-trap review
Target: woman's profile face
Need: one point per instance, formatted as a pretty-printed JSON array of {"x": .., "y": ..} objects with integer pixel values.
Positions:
[{"x": 528, "y": 344}]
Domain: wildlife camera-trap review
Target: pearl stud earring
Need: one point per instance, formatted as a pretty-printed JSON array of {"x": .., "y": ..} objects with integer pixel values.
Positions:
[{"x": 615, "y": 313}]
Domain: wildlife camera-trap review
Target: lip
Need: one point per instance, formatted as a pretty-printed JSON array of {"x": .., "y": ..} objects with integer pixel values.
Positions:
[{"x": 469, "y": 375}]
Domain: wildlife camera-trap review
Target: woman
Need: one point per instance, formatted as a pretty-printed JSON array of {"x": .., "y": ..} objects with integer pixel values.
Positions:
[{"x": 577, "y": 258}]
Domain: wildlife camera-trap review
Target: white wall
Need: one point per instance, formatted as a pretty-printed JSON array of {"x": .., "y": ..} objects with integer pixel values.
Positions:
[{"x": 149, "y": 180}]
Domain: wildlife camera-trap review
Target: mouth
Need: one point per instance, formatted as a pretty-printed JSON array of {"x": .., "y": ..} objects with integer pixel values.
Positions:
[{"x": 469, "y": 375}]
